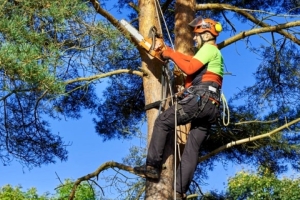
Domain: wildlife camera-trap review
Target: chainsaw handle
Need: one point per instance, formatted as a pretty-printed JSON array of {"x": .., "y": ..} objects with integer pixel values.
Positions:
[{"x": 152, "y": 34}]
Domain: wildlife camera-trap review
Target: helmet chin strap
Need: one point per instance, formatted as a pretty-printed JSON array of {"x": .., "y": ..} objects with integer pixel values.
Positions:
[{"x": 202, "y": 41}]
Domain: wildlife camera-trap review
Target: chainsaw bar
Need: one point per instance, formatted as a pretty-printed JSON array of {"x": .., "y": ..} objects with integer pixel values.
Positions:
[{"x": 145, "y": 43}]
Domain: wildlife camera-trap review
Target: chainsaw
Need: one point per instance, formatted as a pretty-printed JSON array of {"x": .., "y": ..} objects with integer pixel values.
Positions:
[{"x": 153, "y": 44}]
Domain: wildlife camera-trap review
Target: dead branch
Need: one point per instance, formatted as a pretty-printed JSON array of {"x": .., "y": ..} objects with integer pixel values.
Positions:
[
  {"x": 245, "y": 140},
  {"x": 96, "y": 173}
]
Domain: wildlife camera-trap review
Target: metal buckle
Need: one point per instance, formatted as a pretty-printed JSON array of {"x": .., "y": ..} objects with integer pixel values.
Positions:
[{"x": 213, "y": 89}]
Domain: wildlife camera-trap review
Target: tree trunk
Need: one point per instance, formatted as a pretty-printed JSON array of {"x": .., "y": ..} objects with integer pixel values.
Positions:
[
  {"x": 163, "y": 189},
  {"x": 184, "y": 14},
  {"x": 152, "y": 89}
]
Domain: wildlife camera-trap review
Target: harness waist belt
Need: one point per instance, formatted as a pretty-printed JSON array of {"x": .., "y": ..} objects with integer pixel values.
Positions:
[{"x": 212, "y": 90}]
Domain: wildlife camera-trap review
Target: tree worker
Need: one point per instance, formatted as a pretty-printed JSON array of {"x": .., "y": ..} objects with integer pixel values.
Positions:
[{"x": 199, "y": 107}]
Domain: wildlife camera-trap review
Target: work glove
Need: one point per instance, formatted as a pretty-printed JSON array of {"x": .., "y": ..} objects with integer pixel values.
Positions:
[{"x": 166, "y": 53}]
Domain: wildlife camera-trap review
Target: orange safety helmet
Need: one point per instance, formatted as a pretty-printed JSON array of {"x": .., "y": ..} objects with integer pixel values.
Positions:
[{"x": 202, "y": 25}]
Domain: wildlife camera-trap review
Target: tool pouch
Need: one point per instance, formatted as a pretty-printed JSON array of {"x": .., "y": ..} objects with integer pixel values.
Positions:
[{"x": 184, "y": 117}]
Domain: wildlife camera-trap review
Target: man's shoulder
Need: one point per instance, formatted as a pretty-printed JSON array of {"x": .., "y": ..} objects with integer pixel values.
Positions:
[
  {"x": 209, "y": 46},
  {"x": 208, "y": 49}
]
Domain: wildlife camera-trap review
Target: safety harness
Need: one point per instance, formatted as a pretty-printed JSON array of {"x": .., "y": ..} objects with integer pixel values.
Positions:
[{"x": 204, "y": 92}]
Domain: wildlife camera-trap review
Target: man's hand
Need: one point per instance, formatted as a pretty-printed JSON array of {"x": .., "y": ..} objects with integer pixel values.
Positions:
[
  {"x": 159, "y": 44},
  {"x": 158, "y": 48},
  {"x": 166, "y": 54}
]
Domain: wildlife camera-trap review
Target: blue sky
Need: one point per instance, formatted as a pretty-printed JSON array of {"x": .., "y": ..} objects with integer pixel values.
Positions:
[{"x": 86, "y": 153}]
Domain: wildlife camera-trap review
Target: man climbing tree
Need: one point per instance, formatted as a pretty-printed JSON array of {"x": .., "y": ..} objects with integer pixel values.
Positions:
[{"x": 198, "y": 106}]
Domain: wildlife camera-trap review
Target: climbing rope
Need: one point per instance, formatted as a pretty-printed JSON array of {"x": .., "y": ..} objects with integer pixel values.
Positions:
[
  {"x": 158, "y": 8},
  {"x": 166, "y": 70},
  {"x": 175, "y": 142},
  {"x": 225, "y": 111}
]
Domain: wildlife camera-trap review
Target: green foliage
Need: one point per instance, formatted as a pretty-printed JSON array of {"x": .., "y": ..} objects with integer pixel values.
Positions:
[
  {"x": 29, "y": 50},
  {"x": 84, "y": 191},
  {"x": 120, "y": 115},
  {"x": 263, "y": 185},
  {"x": 45, "y": 47},
  {"x": 8, "y": 192}
]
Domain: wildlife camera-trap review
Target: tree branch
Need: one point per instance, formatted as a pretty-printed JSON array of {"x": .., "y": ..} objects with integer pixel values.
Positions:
[
  {"x": 113, "y": 21},
  {"x": 257, "y": 31},
  {"x": 134, "y": 6},
  {"x": 99, "y": 76},
  {"x": 246, "y": 14},
  {"x": 256, "y": 121},
  {"x": 245, "y": 140},
  {"x": 96, "y": 173}
]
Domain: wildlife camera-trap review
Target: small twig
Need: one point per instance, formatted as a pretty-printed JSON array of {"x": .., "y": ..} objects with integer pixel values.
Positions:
[
  {"x": 98, "y": 186},
  {"x": 287, "y": 126},
  {"x": 140, "y": 192},
  {"x": 59, "y": 178}
]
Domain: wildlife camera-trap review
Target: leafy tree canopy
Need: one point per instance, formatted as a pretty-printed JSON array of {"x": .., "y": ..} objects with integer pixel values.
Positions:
[
  {"x": 262, "y": 185},
  {"x": 8, "y": 192},
  {"x": 50, "y": 53},
  {"x": 86, "y": 191}
]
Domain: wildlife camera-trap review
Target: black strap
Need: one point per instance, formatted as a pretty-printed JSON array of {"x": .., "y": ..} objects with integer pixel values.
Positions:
[{"x": 155, "y": 104}]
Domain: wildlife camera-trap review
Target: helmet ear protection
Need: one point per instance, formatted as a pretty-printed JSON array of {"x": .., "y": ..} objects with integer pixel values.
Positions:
[{"x": 218, "y": 27}]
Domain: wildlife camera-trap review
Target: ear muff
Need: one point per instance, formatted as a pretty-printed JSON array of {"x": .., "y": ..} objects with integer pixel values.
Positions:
[{"x": 218, "y": 27}]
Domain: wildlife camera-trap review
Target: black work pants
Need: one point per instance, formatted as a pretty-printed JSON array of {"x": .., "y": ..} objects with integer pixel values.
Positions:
[{"x": 199, "y": 127}]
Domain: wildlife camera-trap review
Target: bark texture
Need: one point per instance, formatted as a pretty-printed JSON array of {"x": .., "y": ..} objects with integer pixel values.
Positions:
[
  {"x": 152, "y": 89},
  {"x": 164, "y": 188}
]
